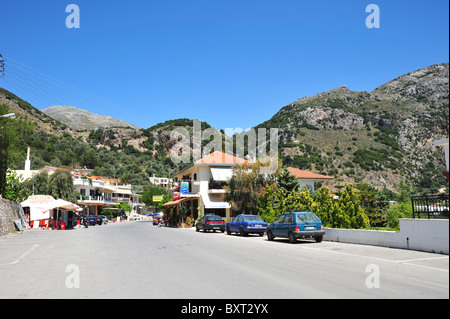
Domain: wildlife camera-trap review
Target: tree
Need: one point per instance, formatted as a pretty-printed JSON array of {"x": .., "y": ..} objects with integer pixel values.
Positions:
[
  {"x": 374, "y": 202},
  {"x": 324, "y": 206},
  {"x": 245, "y": 186},
  {"x": 125, "y": 206},
  {"x": 40, "y": 183},
  {"x": 405, "y": 190},
  {"x": 149, "y": 192},
  {"x": 351, "y": 214},
  {"x": 11, "y": 145},
  {"x": 15, "y": 190},
  {"x": 61, "y": 186},
  {"x": 397, "y": 211},
  {"x": 300, "y": 201},
  {"x": 269, "y": 203},
  {"x": 285, "y": 180},
  {"x": 58, "y": 185}
]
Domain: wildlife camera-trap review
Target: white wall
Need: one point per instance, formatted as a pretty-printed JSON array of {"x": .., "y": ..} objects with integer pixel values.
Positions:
[
  {"x": 430, "y": 235},
  {"x": 425, "y": 235}
]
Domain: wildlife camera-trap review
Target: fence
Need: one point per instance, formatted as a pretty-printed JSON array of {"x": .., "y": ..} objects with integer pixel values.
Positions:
[{"x": 431, "y": 207}]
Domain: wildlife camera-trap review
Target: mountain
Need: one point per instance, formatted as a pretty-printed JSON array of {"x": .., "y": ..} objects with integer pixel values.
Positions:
[
  {"x": 79, "y": 119},
  {"x": 371, "y": 137},
  {"x": 378, "y": 137},
  {"x": 22, "y": 108}
]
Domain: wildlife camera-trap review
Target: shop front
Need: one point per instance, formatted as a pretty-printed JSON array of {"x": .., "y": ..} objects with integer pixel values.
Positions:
[
  {"x": 62, "y": 214},
  {"x": 33, "y": 209},
  {"x": 181, "y": 212}
]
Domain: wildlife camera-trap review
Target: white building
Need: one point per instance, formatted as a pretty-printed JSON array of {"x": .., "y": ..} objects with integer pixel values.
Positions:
[
  {"x": 161, "y": 181},
  {"x": 203, "y": 182},
  {"x": 307, "y": 179}
]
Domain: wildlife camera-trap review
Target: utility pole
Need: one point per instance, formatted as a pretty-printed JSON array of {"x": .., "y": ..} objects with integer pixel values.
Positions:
[{"x": 2, "y": 66}]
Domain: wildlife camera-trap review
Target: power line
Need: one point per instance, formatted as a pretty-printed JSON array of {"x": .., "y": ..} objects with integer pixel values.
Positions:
[
  {"x": 54, "y": 83},
  {"x": 43, "y": 88}
]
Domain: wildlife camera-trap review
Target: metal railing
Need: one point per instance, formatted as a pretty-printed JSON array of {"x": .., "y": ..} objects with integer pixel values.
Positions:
[{"x": 431, "y": 206}]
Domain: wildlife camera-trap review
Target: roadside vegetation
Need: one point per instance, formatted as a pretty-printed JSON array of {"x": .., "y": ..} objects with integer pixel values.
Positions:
[{"x": 359, "y": 206}]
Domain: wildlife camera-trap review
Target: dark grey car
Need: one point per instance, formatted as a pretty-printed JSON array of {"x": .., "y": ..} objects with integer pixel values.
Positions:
[{"x": 210, "y": 222}]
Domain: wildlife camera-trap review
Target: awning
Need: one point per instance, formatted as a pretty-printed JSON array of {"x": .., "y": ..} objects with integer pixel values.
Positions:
[
  {"x": 175, "y": 202},
  {"x": 60, "y": 203},
  {"x": 213, "y": 201},
  {"x": 37, "y": 200},
  {"x": 221, "y": 173}
]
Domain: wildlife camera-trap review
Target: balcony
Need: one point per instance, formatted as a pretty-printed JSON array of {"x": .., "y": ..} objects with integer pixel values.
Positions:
[
  {"x": 217, "y": 191},
  {"x": 217, "y": 187},
  {"x": 91, "y": 199},
  {"x": 106, "y": 200}
]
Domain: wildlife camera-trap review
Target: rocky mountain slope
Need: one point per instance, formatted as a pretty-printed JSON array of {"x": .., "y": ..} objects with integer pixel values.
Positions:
[
  {"x": 371, "y": 137},
  {"x": 80, "y": 119},
  {"x": 359, "y": 137}
]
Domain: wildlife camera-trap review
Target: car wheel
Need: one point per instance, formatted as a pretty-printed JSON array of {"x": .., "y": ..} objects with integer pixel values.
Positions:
[
  {"x": 242, "y": 232},
  {"x": 270, "y": 236},
  {"x": 196, "y": 228},
  {"x": 228, "y": 231},
  {"x": 292, "y": 238},
  {"x": 261, "y": 234},
  {"x": 204, "y": 228},
  {"x": 318, "y": 239}
]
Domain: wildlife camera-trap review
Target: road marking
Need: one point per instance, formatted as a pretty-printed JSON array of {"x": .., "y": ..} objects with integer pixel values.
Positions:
[
  {"x": 420, "y": 259},
  {"x": 406, "y": 262},
  {"x": 22, "y": 256}
]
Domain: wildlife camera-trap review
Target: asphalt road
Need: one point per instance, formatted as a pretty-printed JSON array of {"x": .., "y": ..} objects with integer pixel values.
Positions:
[{"x": 139, "y": 260}]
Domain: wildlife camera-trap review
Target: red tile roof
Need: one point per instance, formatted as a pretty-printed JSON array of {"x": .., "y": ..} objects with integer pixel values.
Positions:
[
  {"x": 222, "y": 158},
  {"x": 306, "y": 175}
]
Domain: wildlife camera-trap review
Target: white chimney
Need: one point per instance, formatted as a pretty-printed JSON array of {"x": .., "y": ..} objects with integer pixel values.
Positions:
[{"x": 28, "y": 162}]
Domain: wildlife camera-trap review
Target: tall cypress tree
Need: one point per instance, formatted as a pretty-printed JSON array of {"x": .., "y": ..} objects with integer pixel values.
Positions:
[{"x": 285, "y": 180}]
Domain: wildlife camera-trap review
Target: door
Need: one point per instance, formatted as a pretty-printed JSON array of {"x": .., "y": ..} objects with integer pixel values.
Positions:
[
  {"x": 276, "y": 226},
  {"x": 287, "y": 225},
  {"x": 234, "y": 227},
  {"x": 200, "y": 223}
]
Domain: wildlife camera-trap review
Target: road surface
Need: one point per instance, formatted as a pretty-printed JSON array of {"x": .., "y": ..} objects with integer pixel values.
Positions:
[{"x": 139, "y": 260}]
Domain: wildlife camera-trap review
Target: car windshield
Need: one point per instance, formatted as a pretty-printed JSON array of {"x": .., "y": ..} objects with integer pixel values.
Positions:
[
  {"x": 215, "y": 217},
  {"x": 307, "y": 218},
  {"x": 252, "y": 218}
]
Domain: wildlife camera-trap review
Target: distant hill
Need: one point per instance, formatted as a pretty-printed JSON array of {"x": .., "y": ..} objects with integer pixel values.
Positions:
[
  {"x": 371, "y": 137},
  {"x": 80, "y": 119},
  {"x": 358, "y": 137}
]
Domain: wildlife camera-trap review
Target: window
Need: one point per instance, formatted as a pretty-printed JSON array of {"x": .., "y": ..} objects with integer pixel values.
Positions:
[
  {"x": 252, "y": 218},
  {"x": 213, "y": 217},
  {"x": 280, "y": 219},
  {"x": 307, "y": 218},
  {"x": 289, "y": 219}
]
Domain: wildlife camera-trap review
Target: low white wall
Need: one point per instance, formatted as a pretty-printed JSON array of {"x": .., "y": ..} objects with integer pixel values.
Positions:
[{"x": 430, "y": 235}]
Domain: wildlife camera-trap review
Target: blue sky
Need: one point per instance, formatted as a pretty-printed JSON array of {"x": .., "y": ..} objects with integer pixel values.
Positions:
[{"x": 231, "y": 63}]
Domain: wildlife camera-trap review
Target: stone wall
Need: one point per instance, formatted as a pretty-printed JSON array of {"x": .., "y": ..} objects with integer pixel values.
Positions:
[{"x": 9, "y": 212}]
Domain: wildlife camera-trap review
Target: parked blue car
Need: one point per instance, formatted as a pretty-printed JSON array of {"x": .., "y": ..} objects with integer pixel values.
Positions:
[
  {"x": 245, "y": 224},
  {"x": 295, "y": 225}
]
